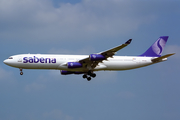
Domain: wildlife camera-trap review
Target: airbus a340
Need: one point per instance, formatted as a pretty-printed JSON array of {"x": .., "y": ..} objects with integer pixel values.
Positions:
[{"x": 88, "y": 64}]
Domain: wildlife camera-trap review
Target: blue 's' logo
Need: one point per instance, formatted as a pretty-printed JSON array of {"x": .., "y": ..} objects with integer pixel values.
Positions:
[{"x": 38, "y": 60}]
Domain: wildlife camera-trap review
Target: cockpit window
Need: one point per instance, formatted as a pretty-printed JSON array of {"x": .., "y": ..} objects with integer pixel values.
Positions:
[{"x": 10, "y": 58}]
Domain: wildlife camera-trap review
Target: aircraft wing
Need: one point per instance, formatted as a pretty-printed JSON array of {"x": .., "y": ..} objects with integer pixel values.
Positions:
[
  {"x": 108, "y": 53},
  {"x": 111, "y": 52}
]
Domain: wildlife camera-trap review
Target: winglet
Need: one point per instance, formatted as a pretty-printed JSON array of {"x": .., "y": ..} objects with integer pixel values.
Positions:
[{"x": 129, "y": 41}]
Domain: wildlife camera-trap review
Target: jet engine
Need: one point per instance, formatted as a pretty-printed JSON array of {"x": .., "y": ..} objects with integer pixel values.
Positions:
[
  {"x": 63, "y": 72},
  {"x": 96, "y": 57},
  {"x": 74, "y": 65}
]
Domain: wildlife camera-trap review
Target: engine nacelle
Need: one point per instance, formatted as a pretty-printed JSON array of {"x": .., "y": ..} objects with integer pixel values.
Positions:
[
  {"x": 74, "y": 65},
  {"x": 63, "y": 72},
  {"x": 96, "y": 57}
]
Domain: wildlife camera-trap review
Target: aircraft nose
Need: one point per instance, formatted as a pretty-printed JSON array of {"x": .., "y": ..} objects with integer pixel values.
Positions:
[{"x": 5, "y": 61}]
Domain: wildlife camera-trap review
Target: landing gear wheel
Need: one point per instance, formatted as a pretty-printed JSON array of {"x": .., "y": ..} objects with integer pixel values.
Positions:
[
  {"x": 21, "y": 73},
  {"x": 84, "y": 76},
  {"x": 93, "y": 75},
  {"x": 88, "y": 78}
]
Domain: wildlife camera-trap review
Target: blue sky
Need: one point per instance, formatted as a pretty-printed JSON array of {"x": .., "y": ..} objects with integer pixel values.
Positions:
[{"x": 85, "y": 27}]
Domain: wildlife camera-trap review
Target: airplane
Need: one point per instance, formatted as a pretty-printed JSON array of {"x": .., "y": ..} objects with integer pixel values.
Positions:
[{"x": 88, "y": 64}]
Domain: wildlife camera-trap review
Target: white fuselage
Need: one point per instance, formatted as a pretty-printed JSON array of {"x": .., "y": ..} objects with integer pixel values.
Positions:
[{"x": 58, "y": 62}]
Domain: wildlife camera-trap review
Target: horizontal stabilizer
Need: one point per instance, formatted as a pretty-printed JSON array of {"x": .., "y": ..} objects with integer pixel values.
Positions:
[{"x": 162, "y": 58}]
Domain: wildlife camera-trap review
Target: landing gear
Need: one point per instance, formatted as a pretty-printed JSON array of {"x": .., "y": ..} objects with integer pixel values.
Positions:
[
  {"x": 88, "y": 75},
  {"x": 93, "y": 75},
  {"x": 88, "y": 78},
  {"x": 84, "y": 76},
  {"x": 21, "y": 73}
]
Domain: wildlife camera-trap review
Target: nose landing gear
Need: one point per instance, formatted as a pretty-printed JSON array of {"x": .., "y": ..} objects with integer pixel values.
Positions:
[{"x": 21, "y": 73}]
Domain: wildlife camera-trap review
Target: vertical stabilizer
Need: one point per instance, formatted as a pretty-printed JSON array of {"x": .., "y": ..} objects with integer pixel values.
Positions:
[{"x": 156, "y": 49}]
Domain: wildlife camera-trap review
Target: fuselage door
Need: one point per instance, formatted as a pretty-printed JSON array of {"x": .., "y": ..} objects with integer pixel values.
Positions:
[{"x": 19, "y": 59}]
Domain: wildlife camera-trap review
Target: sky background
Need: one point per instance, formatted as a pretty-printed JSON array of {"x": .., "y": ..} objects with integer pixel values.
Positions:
[{"x": 85, "y": 27}]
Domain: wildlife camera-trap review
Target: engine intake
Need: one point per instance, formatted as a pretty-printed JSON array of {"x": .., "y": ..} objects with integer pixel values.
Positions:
[
  {"x": 74, "y": 65},
  {"x": 96, "y": 57}
]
